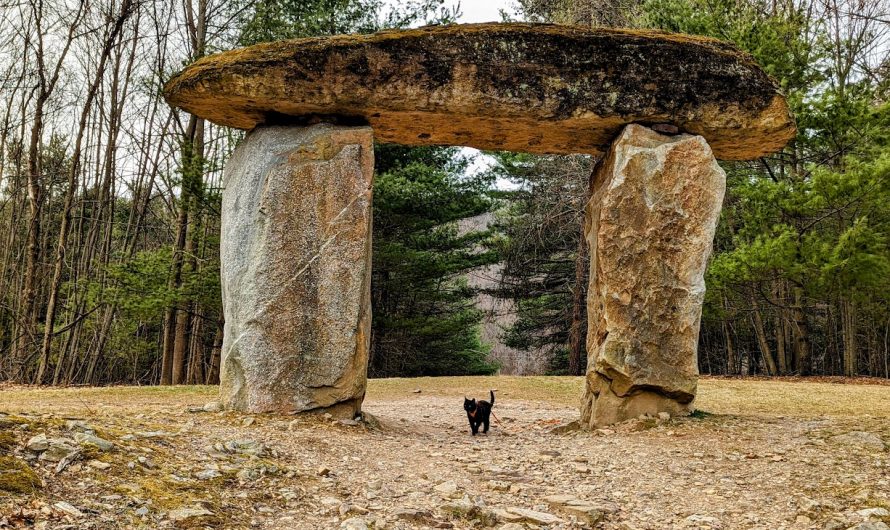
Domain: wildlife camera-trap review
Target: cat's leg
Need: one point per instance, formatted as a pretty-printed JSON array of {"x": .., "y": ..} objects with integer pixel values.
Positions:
[{"x": 485, "y": 429}]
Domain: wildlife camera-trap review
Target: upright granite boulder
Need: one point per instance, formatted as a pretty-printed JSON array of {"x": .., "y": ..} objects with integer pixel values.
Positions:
[
  {"x": 296, "y": 270},
  {"x": 650, "y": 225}
]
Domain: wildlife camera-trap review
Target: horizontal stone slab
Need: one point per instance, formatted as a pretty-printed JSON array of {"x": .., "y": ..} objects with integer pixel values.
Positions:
[{"x": 520, "y": 87}]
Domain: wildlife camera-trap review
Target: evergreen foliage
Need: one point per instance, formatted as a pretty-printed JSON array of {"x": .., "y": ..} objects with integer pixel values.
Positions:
[
  {"x": 109, "y": 268},
  {"x": 425, "y": 321},
  {"x": 804, "y": 236},
  {"x": 798, "y": 282},
  {"x": 539, "y": 234}
]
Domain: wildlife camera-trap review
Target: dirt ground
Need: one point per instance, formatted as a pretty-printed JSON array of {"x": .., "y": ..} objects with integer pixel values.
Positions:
[{"x": 762, "y": 454}]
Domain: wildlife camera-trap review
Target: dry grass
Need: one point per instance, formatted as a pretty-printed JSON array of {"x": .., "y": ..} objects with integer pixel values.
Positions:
[
  {"x": 793, "y": 398},
  {"x": 557, "y": 390},
  {"x": 89, "y": 400},
  {"x": 720, "y": 396}
]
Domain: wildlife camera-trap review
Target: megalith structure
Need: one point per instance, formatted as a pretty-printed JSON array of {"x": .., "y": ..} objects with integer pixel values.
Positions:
[
  {"x": 649, "y": 225},
  {"x": 296, "y": 269},
  {"x": 296, "y": 214}
]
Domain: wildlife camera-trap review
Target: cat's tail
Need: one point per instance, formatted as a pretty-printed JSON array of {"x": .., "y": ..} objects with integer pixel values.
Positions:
[{"x": 492, "y": 396}]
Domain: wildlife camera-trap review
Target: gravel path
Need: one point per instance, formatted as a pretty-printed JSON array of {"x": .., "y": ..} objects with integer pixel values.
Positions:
[{"x": 420, "y": 468}]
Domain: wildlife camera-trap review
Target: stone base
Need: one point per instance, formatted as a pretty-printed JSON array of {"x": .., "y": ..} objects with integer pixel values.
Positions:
[
  {"x": 296, "y": 270},
  {"x": 650, "y": 226},
  {"x": 601, "y": 406},
  {"x": 345, "y": 410}
]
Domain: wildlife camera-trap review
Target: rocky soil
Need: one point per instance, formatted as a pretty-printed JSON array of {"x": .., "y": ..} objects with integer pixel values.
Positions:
[{"x": 161, "y": 459}]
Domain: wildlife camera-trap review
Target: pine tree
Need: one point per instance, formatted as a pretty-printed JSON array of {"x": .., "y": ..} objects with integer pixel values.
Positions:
[{"x": 425, "y": 321}]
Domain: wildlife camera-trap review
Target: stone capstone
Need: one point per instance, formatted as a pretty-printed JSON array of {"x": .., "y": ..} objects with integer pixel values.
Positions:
[
  {"x": 520, "y": 87},
  {"x": 650, "y": 225},
  {"x": 296, "y": 270}
]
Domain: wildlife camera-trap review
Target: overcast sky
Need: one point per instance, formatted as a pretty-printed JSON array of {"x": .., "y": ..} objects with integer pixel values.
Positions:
[
  {"x": 476, "y": 10},
  {"x": 483, "y": 10}
]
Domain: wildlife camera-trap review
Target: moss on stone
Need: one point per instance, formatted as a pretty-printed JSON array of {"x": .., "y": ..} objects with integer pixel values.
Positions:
[
  {"x": 8, "y": 422},
  {"x": 645, "y": 424},
  {"x": 524, "y": 87},
  {"x": 90, "y": 451},
  {"x": 8, "y": 441},
  {"x": 166, "y": 494},
  {"x": 283, "y": 49},
  {"x": 16, "y": 476}
]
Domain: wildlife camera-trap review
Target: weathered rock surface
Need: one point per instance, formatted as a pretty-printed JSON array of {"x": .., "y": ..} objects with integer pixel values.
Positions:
[
  {"x": 534, "y": 516},
  {"x": 650, "y": 225},
  {"x": 90, "y": 439},
  {"x": 870, "y": 525},
  {"x": 296, "y": 270},
  {"x": 58, "y": 449},
  {"x": 520, "y": 87},
  {"x": 868, "y": 440},
  {"x": 180, "y": 515},
  {"x": 38, "y": 443}
]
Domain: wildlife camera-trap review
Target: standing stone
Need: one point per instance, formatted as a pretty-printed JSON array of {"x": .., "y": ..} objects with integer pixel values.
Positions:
[
  {"x": 650, "y": 225},
  {"x": 296, "y": 270}
]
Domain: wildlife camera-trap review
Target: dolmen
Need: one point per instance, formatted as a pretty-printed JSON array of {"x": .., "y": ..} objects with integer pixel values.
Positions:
[{"x": 657, "y": 109}]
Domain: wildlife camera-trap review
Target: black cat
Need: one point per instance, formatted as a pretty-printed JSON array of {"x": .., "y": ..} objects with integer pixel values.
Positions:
[{"x": 478, "y": 413}]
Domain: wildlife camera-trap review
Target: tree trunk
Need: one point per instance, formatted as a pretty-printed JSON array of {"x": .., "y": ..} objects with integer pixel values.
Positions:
[
  {"x": 96, "y": 356},
  {"x": 27, "y": 317},
  {"x": 46, "y": 85},
  {"x": 801, "y": 332},
  {"x": 192, "y": 169},
  {"x": 196, "y": 355},
  {"x": 180, "y": 342},
  {"x": 781, "y": 358},
  {"x": 215, "y": 361},
  {"x": 762, "y": 342},
  {"x": 71, "y": 191},
  {"x": 851, "y": 345},
  {"x": 578, "y": 329},
  {"x": 167, "y": 348},
  {"x": 731, "y": 356}
]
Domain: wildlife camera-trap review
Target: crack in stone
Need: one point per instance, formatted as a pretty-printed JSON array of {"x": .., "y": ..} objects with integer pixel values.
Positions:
[{"x": 329, "y": 240}]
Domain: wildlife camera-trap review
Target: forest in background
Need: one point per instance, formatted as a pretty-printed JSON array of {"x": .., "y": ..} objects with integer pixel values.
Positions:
[
  {"x": 800, "y": 275},
  {"x": 109, "y": 199}
]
